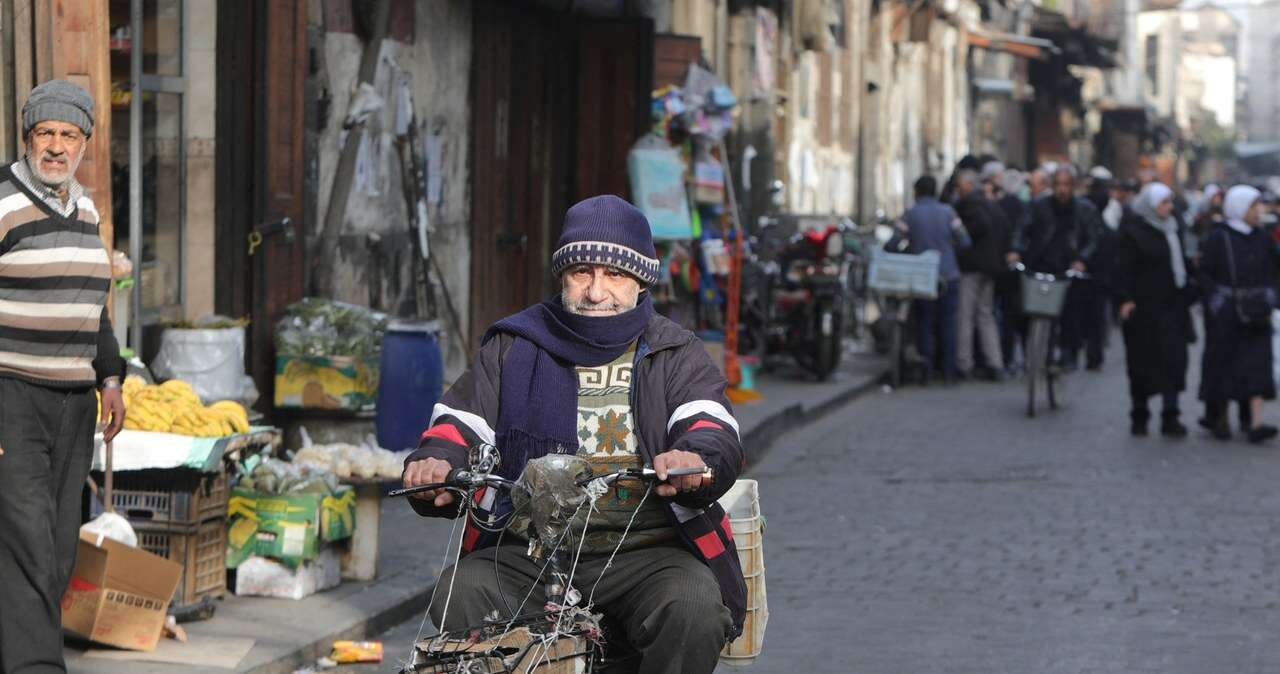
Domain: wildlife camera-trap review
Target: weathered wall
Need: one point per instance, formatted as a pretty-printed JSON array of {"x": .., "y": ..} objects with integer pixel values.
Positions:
[
  {"x": 199, "y": 127},
  {"x": 374, "y": 264}
]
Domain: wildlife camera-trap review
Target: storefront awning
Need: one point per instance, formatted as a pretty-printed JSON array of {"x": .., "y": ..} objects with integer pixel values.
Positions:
[{"x": 1009, "y": 43}]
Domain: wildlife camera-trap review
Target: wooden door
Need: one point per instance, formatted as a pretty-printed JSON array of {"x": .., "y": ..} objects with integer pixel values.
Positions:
[
  {"x": 614, "y": 82},
  {"x": 520, "y": 98},
  {"x": 260, "y": 177}
]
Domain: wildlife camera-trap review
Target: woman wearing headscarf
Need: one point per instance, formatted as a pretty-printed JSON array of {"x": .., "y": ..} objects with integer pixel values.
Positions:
[
  {"x": 1237, "y": 277},
  {"x": 1154, "y": 292}
]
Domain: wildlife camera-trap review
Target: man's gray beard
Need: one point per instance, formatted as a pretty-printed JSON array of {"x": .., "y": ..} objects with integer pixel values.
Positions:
[
  {"x": 33, "y": 164},
  {"x": 580, "y": 307}
]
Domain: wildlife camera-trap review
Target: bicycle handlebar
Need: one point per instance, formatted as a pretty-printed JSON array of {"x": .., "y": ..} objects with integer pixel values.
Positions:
[
  {"x": 647, "y": 475},
  {"x": 458, "y": 480}
]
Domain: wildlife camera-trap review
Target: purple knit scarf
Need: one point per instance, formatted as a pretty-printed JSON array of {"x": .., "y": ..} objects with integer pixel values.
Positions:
[{"x": 538, "y": 402}]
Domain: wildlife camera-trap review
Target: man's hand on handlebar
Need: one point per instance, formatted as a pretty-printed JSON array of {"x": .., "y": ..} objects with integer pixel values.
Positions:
[
  {"x": 671, "y": 460},
  {"x": 429, "y": 471},
  {"x": 1126, "y": 310},
  {"x": 1078, "y": 267},
  {"x": 1012, "y": 257}
]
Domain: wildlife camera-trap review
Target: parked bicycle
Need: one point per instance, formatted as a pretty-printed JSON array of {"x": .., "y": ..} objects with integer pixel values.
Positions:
[{"x": 1043, "y": 296}]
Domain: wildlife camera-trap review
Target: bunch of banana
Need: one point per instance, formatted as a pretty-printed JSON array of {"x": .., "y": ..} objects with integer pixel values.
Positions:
[{"x": 174, "y": 407}]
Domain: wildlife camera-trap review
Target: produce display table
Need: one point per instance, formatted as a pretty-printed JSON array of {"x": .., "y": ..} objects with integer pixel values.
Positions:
[{"x": 142, "y": 450}]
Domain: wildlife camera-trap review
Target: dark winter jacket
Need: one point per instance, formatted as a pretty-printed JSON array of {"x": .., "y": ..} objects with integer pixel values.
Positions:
[
  {"x": 990, "y": 232},
  {"x": 678, "y": 402},
  {"x": 1053, "y": 239},
  {"x": 1236, "y": 363},
  {"x": 1159, "y": 329}
]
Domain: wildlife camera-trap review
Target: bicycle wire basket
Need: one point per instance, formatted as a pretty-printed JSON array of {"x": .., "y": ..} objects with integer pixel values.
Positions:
[{"x": 1044, "y": 295}]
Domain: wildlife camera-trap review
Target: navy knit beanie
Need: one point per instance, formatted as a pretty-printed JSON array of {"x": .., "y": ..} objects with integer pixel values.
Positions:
[{"x": 607, "y": 230}]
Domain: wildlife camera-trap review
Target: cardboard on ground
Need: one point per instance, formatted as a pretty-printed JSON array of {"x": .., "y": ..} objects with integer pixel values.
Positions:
[{"x": 118, "y": 595}]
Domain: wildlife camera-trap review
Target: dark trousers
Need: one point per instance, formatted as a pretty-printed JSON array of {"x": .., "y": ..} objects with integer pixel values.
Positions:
[
  {"x": 47, "y": 437},
  {"x": 1215, "y": 413},
  {"x": 664, "y": 599},
  {"x": 1084, "y": 324},
  {"x": 1139, "y": 396},
  {"x": 936, "y": 323}
]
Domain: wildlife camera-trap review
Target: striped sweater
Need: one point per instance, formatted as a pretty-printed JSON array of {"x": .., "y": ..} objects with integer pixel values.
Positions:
[{"x": 54, "y": 278}]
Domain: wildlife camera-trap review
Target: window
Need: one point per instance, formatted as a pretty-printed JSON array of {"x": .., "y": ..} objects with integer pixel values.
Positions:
[
  {"x": 162, "y": 89},
  {"x": 1152, "y": 63}
]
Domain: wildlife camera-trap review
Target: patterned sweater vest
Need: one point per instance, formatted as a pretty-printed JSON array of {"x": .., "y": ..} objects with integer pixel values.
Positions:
[{"x": 54, "y": 277}]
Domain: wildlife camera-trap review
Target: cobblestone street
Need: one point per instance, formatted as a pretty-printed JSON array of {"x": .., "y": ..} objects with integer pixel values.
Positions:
[{"x": 940, "y": 530}]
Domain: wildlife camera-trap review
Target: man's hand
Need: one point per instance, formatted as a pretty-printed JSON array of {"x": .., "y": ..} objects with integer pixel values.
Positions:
[
  {"x": 671, "y": 460},
  {"x": 1011, "y": 258},
  {"x": 1126, "y": 310},
  {"x": 428, "y": 471},
  {"x": 1078, "y": 266},
  {"x": 112, "y": 412}
]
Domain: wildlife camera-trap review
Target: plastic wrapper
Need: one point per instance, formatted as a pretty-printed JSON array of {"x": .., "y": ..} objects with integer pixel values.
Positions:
[
  {"x": 551, "y": 493},
  {"x": 212, "y": 361},
  {"x": 318, "y": 327},
  {"x": 113, "y": 526},
  {"x": 365, "y": 461}
]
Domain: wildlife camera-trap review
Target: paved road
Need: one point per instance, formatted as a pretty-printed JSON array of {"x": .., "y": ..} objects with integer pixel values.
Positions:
[{"x": 939, "y": 530}]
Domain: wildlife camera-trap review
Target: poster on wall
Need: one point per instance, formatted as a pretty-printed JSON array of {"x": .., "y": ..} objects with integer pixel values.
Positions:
[{"x": 657, "y": 184}]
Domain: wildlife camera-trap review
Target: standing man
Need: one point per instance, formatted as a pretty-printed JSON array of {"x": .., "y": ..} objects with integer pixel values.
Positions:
[
  {"x": 979, "y": 266},
  {"x": 56, "y": 346},
  {"x": 933, "y": 225}
]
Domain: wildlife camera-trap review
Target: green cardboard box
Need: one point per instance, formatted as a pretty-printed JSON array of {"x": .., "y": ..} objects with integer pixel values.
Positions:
[{"x": 287, "y": 527}]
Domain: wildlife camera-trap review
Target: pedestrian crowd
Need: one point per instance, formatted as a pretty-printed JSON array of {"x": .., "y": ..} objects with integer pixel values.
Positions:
[{"x": 1141, "y": 256}]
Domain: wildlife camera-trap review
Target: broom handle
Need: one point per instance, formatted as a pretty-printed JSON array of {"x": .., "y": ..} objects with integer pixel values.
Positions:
[{"x": 107, "y": 504}]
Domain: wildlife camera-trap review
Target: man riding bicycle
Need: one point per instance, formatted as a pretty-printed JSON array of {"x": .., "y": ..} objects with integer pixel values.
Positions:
[
  {"x": 598, "y": 373},
  {"x": 1062, "y": 236}
]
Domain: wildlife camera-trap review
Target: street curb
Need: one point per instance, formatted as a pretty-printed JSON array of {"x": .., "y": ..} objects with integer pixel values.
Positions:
[
  {"x": 373, "y": 624},
  {"x": 759, "y": 440}
]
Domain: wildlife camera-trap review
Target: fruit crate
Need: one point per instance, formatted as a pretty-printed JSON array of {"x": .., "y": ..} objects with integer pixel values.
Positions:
[
  {"x": 168, "y": 497},
  {"x": 200, "y": 549}
]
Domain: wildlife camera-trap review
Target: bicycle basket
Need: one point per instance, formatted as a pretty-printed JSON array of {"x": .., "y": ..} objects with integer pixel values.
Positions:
[
  {"x": 1042, "y": 297},
  {"x": 902, "y": 275}
]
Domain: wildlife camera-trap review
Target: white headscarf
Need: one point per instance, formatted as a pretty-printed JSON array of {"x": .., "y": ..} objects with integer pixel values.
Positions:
[
  {"x": 1145, "y": 206},
  {"x": 1210, "y": 191},
  {"x": 1238, "y": 202}
]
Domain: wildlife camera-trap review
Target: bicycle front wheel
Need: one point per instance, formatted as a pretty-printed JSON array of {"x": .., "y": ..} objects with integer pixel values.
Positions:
[{"x": 1037, "y": 357}]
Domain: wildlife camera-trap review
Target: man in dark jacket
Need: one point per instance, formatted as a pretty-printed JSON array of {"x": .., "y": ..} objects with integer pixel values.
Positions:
[
  {"x": 980, "y": 264},
  {"x": 1062, "y": 235},
  {"x": 595, "y": 372}
]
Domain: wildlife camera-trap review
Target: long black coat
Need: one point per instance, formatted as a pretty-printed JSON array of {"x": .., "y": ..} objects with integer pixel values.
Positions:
[
  {"x": 1236, "y": 364},
  {"x": 1159, "y": 329}
]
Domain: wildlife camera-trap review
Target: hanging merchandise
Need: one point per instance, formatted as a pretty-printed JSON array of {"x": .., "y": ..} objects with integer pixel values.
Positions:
[
  {"x": 657, "y": 183},
  {"x": 716, "y": 255},
  {"x": 708, "y": 179}
]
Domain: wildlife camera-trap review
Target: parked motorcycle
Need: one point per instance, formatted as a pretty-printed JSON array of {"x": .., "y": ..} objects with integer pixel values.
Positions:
[{"x": 809, "y": 303}]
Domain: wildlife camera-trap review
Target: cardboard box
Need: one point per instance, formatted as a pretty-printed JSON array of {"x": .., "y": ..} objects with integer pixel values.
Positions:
[
  {"x": 262, "y": 577},
  {"x": 327, "y": 382},
  {"x": 118, "y": 595},
  {"x": 287, "y": 527}
]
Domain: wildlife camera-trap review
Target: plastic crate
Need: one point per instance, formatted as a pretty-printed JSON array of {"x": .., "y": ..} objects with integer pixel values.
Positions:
[
  {"x": 742, "y": 503},
  {"x": 200, "y": 549},
  {"x": 180, "y": 498},
  {"x": 902, "y": 275},
  {"x": 1044, "y": 296}
]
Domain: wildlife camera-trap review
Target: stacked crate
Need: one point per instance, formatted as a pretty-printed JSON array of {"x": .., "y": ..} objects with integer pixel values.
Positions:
[
  {"x": 181, "y": 516},
  {"x": 742, "y": 504}
]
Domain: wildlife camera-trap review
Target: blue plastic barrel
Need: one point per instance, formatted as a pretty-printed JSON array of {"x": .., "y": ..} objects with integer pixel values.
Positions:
[{"x": 409, "y": 384}]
